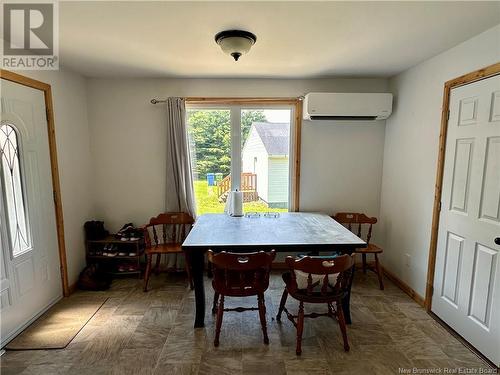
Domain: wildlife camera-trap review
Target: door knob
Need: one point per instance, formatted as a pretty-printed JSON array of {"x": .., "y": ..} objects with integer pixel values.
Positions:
[{"x": 497, "y": 240}]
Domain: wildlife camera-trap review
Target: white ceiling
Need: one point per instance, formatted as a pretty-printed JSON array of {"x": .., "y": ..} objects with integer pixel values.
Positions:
[{"x": 294, "y": 39}]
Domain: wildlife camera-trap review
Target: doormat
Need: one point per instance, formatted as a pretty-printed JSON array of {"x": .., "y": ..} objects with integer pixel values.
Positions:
[{"x": 59, "y": 325}]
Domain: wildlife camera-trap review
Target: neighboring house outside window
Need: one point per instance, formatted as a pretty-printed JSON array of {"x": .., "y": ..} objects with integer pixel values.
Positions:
[{"x": 266, "y": 151}]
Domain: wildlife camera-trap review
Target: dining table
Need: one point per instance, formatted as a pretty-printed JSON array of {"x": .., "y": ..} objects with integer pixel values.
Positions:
[{"x": 289, "y": 232}]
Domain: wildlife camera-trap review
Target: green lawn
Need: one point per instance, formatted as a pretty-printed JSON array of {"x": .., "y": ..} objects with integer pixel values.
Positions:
[{"x": 208, "y": 202}]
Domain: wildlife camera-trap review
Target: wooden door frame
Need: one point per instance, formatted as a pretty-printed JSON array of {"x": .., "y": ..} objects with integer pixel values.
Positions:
[
  {"x": 296, "y": 103},
  {"x": 56, "y": 189},
  {"x": 465, "y": 79}
]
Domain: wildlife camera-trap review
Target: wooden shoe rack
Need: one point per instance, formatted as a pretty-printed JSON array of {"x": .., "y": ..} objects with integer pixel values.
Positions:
[{"x": 95, "y": 255}]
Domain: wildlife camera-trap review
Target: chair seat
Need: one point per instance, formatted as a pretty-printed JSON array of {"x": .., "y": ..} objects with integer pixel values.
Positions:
[
  {"x": 241, "y": 292},
  {"x": 371, "y": 249},
  {"x": 314, "y": 297},
  {"x": 168, "y": 248},
  {"x": 331, "y": 256}
]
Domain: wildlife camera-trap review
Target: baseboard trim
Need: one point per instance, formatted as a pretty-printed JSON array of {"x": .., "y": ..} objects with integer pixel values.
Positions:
[
  {"x": 72, "y": 288},
  {"x": 404, "y": 287}
]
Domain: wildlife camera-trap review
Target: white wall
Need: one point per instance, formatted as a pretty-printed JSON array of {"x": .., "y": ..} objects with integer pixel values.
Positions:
[
  {"x": 341, "y": 164},
  {"x": 73, "y": 151},
  {"x": 341, "y": 167},
  {"x": 411, "y": 149}
]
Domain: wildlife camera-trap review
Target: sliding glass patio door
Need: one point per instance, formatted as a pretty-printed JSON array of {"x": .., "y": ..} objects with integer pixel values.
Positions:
[{"x": 242, "y": 147}]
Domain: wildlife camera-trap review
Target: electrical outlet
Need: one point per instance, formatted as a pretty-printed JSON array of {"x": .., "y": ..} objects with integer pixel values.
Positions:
[{"x": 407, "y": 260}]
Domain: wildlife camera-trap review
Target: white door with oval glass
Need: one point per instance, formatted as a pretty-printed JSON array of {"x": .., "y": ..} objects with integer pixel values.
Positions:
[
  {"x": 29, "y": 269},
  {"x": 467, "y": 280}
]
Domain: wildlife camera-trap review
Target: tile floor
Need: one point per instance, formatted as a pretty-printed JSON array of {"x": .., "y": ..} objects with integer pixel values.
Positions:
[{"x": 152, "y": 333}]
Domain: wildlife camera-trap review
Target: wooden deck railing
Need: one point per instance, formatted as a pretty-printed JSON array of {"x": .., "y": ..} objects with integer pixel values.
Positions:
[
  {"x": 224, "y": 185},
  {"x": 248, "y": 184}
]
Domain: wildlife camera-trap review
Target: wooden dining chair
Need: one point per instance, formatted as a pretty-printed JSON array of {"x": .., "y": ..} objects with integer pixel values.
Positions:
[
  {"x": 320, "y": 280},
  {"x": 240, "y": 275},
  {"x": 164, "y": 235},
  {"x": 359, "y": 223}
]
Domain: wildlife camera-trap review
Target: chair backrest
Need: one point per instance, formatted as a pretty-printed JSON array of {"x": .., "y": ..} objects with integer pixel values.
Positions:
[
  {"x": 355, "y": 221},
  {"x": 320, "y": 272},
  {"x": 168, "y": 227},
  {"x": 241, "y": 273}
]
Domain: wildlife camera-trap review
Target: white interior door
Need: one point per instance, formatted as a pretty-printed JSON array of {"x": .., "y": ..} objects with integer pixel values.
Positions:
[
  {"x": 467, "y": 280},
  {"x": 30, "y": 280}
]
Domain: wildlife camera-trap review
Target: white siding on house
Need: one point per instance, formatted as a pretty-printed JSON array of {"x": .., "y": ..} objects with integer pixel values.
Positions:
[
  {"x": 254, "y": 148},
  {"x": 278, "y": 180}
]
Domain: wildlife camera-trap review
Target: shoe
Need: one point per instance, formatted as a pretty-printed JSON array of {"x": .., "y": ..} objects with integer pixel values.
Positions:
[
  {"x": 132, "y": 254},
  {"x": 122, "y": 267},
  {"x": 136, "y": 234},
  {"x": 106, "y": 250},
  {"x": 112, "y": 251},
  {"x": 132, "y": 268},
  {"x": 125, "y": 235},
  {"x": 123, "y": 229},
  {"x": 122, "y": 254},
  {"x": 132, "y": 234}
]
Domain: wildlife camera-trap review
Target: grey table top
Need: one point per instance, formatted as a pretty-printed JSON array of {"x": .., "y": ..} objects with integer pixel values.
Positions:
[{"x": 290, "y": 231}]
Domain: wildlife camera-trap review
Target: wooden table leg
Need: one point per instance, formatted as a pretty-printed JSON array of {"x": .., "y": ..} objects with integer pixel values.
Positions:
[{"x": 197, "y": 265}]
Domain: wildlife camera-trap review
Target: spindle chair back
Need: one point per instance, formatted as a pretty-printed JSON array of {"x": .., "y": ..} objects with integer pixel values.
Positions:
[
  {"x": 329, "y": 288},
  {"x": 240, "y": 275},
  {"x": 362, "y": 226},
  {"x": 164, "y": 234}
]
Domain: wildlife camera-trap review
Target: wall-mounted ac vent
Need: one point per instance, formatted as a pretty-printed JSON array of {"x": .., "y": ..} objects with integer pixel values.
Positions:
[{"x": 347, "y": 106}]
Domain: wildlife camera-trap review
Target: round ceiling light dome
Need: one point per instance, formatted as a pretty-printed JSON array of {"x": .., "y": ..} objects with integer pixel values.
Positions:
[{"x": 235, "y": 42}]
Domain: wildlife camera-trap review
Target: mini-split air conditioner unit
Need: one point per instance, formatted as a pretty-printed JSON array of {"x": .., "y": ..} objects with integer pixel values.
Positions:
[{"x": 347, "y": 106}]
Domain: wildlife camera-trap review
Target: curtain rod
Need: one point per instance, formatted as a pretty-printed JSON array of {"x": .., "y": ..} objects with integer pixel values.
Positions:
[
  {"x": 158, "y": 101},
  {"x": 208, "y": 100}
]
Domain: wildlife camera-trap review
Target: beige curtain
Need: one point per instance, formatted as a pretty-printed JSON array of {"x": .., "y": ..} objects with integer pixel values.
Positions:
[
  {"x": 179, "y": 183},
  {"x": 180, "y": 193}
]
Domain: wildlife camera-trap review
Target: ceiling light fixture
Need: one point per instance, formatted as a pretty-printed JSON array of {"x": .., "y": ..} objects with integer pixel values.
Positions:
[{"x": 235, "y": 42}]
